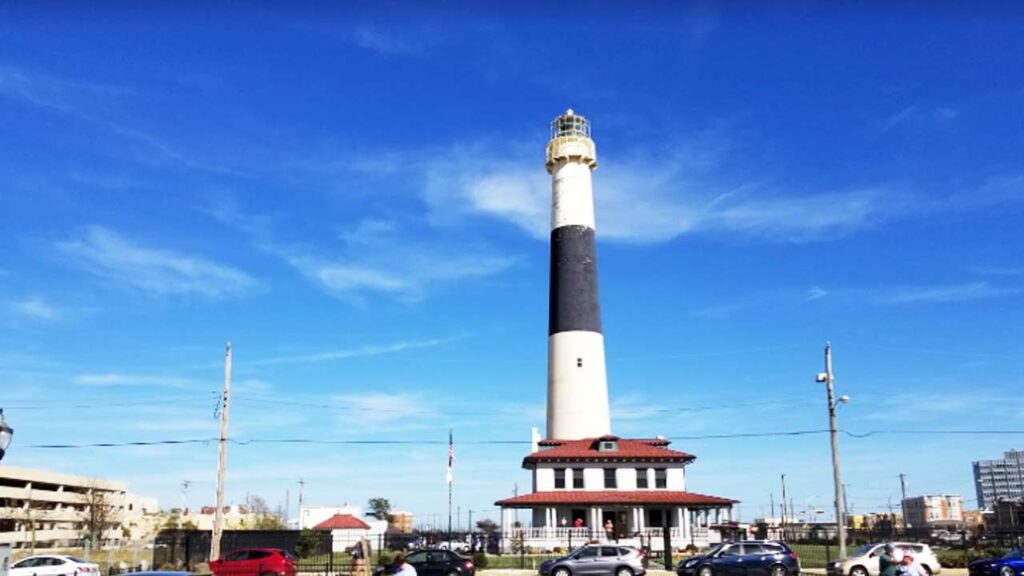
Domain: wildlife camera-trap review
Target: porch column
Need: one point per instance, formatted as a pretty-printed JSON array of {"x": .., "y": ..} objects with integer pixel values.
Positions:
[
  {"x": 686, "y": 531},
  {"x": 728, "y": 514}
]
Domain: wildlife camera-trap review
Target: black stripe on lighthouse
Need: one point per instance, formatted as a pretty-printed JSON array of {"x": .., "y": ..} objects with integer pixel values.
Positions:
[{"x": 574, "y": 302}]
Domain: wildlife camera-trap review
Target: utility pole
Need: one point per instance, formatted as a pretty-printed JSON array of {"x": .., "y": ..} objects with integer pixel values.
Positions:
[
  {"x": 302, "y": 488},
  {"x": 185, "y": 485},
  {"x": 837, "y": 477},
  {"x": 218, "y": 514},
  {"x": 783, "y": 506},
  {"x": 903, "y": 503},
  {"x": 846, "y": 503}
]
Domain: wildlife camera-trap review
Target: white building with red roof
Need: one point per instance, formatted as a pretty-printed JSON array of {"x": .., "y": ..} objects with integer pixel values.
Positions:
[
  {"x": 611, "y": 488},
  {"x": 587, "y": 483}
]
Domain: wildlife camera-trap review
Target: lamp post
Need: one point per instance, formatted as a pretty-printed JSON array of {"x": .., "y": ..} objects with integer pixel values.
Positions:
[
  {"x": 827, "y": 378},
  {"x": 6, "y": 432}
]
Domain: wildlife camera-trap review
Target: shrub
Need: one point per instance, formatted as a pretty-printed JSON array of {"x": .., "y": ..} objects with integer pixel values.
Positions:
[{"x": 480, "y": 560}]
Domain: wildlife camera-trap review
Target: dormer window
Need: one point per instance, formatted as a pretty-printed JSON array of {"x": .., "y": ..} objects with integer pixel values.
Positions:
[{"x": 608, "y": 446}]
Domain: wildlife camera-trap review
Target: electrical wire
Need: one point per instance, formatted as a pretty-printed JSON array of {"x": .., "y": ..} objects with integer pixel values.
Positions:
[{"x": 440, "y": 442}]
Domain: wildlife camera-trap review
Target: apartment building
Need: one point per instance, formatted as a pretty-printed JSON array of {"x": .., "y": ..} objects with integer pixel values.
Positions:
[
  {"x": 945, "y": 511},
  {"x": 996, "y": 480}
]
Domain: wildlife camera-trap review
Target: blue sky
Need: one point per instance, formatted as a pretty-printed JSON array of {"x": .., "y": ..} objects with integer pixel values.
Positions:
[{"x": 356, "y": 198}]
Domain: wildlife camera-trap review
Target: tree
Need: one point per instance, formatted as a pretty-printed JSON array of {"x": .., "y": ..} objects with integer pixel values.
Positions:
[
  {"x": 24, "y": 516},
  {"x": 263, "y": 518},
  {"x": 99, "y": 513},
  {"x": 380, "y": 508},
  {"x": 487, "y": 525}
]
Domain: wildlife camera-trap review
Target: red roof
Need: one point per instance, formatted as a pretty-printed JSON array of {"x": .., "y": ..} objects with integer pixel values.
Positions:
[
  {"x": 634, "y": 450},
  {"x": 342, "y": 522},
  {"x": 613, "y": 497}
]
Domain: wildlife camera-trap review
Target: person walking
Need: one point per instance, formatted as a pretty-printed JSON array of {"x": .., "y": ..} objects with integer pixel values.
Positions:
[{"x": 887, "y": 563}]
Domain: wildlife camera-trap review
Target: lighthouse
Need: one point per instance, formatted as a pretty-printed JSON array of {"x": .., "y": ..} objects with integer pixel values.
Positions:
[{"x": 577, "y": 383}]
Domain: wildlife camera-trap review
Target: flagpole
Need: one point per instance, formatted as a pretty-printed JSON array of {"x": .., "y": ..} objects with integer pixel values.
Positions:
[{"x": 451, "y": 454}]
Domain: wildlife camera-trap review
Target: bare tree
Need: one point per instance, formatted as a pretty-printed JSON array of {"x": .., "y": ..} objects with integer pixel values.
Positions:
[
  {"x": 99, "y": 513},
  {"x": 264, "y": 518},
  {"x": 26, "y": 515}
]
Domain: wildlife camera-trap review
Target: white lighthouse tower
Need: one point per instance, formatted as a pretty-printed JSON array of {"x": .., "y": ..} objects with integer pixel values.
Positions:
[{"x": 577, "y": 383}]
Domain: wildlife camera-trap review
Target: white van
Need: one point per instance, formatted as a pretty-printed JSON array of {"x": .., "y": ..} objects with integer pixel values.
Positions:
[{"x": 864, "y": 560}]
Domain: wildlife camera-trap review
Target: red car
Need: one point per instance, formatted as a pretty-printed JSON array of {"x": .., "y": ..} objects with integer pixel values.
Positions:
[{"x": 255, "y": 562}]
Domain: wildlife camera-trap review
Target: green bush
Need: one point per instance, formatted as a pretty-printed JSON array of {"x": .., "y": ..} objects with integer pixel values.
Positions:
[{"x": 480, "y": 560}]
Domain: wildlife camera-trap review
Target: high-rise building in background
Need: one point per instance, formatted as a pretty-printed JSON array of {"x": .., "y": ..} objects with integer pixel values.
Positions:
[
  {"x": 944, "y": 511},
  {"x": 996, "y": 480}
]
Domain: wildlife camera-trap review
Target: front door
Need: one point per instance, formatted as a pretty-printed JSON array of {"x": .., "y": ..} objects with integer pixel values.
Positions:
[
  {"x": 587, "y": 561},
  {"x": 728, "y": 562}
]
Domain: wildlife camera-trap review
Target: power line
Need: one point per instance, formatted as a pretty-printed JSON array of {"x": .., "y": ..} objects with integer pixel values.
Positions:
[{"x": 441, "y": 442}]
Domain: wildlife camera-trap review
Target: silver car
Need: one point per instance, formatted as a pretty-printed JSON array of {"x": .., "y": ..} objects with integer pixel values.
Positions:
[{"x": 597, "y": 560}]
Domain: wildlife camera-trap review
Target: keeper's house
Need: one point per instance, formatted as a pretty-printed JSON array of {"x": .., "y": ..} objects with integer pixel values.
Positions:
[{"x": 612, "y": 488}]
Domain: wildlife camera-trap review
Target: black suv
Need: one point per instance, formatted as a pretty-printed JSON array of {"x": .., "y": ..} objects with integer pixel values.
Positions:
[
  {"x": 436, "y": 563},
  {"x": 747, "y": 558}
]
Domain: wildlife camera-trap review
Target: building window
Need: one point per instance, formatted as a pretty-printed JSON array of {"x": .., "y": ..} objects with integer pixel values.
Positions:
[
  {"x": 641, "y": 478},
  {"x": 609, "y": 478},
  {"x": 660, "y": 478},
  {"x": 559, "y": 478},
  {"x": 577, "y": 478}
]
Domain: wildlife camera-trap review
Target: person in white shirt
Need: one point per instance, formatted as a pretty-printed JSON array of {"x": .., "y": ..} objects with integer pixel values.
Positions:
[
  {"x": 911, "y": 567},
  {"x": 402, "y": 568}
]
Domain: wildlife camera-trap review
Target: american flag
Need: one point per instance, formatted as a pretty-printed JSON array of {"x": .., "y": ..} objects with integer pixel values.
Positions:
[{"x": 451, "y": 457}]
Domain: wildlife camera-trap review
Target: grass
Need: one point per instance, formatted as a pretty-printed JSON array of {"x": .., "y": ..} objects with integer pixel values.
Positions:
[{"x": 104, "y": 558}]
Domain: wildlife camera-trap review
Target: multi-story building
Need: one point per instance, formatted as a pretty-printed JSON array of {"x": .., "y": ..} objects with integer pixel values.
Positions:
[
  {"x": 996, "y": 480},
  {"x": 43, "y": 508},
  {"x": 944, "y": 511}
]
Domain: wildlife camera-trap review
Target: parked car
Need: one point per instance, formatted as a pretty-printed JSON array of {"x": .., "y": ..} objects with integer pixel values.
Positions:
[
  {"x": 255, "y": 562},
  {"x": 454, "y": 545},
  {"x": 435, "y": 562},
  {"x": 864, "y": 560},
  {"x": 1011, "y": 564},
  {"x": 746, "y": 558},
  {"x": 53, "y": 565},
  {"x": 596, "y": 559}
]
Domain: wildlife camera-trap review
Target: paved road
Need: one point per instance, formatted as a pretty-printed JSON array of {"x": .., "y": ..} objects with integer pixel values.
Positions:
[{"x": 808, "y": 571}]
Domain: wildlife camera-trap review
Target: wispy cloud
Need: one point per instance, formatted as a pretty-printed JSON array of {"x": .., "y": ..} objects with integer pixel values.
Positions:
[
  {"x": 943, "y": 294},
  {"x": 814, "y": 293},
  {"x": 384, "y": 42},
  {"x": 643, "y": 201},
  {"x": 374, "y": 256},
  {"x": 34, "y": 308},
  {"x": 110, "y": 255},
  {"x": 112, "y": 379},
  {"x": 918, "y": 114},
  {"x": 329, "y": 355},
  {"x": 384, "y": 409}
]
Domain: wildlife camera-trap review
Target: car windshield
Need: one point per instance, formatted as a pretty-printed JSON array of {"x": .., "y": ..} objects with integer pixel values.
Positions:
[
  {"x": 863, "y": 550},
  {"x": 1018, "y": 553},
  {"x": 714, "y": 549}
]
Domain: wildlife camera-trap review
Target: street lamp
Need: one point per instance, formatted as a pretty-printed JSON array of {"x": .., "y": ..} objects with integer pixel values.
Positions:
[
  {"x": 6, "y": 432},
  {"x": 827, "y": 378}
]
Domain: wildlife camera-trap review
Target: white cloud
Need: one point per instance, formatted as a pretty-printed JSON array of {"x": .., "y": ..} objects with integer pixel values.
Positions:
[
  {"x": 36, "y": 308},
  {"x": 329, "y": 355},
  {"x": 647, "y": 199},
  {"x": 156, "y": 271},
  {"x": 944, "y": 294},
  {"x": 814, "y": 293},
  {"x": 120, "y": 379}
]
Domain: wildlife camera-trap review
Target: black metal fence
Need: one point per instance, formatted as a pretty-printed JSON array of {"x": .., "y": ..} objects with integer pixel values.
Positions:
[{"x": 314, "y": 552}]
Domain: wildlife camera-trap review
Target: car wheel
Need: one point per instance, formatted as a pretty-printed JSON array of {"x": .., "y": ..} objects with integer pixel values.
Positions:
[
  {"x": 1006, "y": 571},
  {"x": 624, "y": 571},
  {"x": 777, "y": 570},
  {"x": 858, "y": 571},
  {"x": 704, "y": 571},
  {"x": 561, "y": 571},
  {"x": 929, "y": 570},
  {"x": 452, "y": 573}
]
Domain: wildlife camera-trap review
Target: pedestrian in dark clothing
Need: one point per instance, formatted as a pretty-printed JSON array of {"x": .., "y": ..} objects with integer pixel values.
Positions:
[{"x": 887, "y": 563}]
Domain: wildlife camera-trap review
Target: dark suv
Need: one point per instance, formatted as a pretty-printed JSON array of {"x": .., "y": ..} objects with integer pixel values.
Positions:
[
  {"x": 435, "y": 563},
  {"x": 747, "y": 558}
]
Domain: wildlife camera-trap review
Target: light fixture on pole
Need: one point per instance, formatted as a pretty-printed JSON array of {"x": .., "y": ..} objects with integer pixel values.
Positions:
[
  {"x": 6, "y": 432},
  {"x": 827, "y": 378}
]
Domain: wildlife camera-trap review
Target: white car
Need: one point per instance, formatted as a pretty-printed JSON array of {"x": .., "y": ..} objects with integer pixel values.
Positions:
[
  {"x": 454, "y": 546},
  {"x": 53, "y": 565},
  {"x": 864, "y": 560}
]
